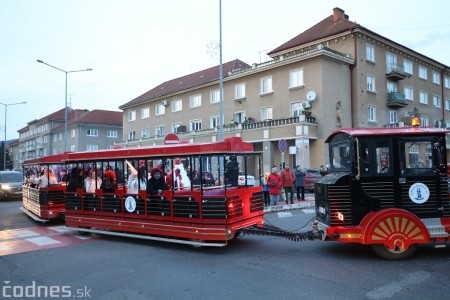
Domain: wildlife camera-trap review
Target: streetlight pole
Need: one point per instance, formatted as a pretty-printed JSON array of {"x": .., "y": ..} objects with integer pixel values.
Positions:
[
  {"x": 4, "y": 144},
  {"x": 65, "y": 103}
]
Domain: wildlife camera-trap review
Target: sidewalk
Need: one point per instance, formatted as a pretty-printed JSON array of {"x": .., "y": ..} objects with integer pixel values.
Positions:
[{"x": 282, "y": 206}]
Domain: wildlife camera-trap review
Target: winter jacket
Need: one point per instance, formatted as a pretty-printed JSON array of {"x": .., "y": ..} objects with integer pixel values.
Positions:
[
  {"x": 274, "y": 183},
  {"x": 299, "y": 178},
  {"x": 287, "y": 178}
]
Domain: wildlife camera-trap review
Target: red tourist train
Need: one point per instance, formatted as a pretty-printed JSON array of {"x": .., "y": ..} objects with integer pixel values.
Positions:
[{"x": 387, "y": 188}]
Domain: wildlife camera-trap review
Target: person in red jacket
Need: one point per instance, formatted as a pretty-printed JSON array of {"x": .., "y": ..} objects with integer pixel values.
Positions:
[
  {"x": 274, "y": 183},
  {"x": 287, "y": 182}
]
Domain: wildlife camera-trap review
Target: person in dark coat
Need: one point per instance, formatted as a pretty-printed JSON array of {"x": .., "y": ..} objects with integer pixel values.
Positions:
[
  {"x": 76, "y": 180},
  {"x": 232, "y": 171},
  {"x": 300, "y": 183},
  {"x": 156, "y": 184}
]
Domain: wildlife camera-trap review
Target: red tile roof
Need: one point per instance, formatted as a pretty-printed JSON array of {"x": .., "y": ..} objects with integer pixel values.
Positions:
[
  {"x": 187, "y": 82},
  {"x": 98, "y": 116},
  {"x": 336, "y": 23}
]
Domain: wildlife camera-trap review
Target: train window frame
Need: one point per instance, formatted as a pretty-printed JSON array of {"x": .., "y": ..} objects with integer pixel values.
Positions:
[
  {"x": 383, "y": 166},
  {"x": 339, "y": 155},
  {"x": 416, "y": 168},
  {"x": 365, "y": 159}
]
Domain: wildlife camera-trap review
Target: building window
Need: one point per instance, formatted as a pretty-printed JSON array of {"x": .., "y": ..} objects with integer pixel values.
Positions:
[
  {"x": 371, "y": 83},
  {"x": 266, "y": 85},
  {"x": 296, "y": 78},
  {"x": 60, "y": 136},
  {"x": 91, "y": 147},
  {"x": 447, "y": 104},
  {"x": 55, "y": 138},
  {"x": 392, "y": 117},
  {"x": 266, "y": 113},
  {"x": 159, "y": 130},
  {"x": 45, "y": 139},
  {"x": 296, "y": 109},
  {"x": 177, "y": 105},
  {"x": 372, "y": 113},
  {"x": 112, "y": 133},
  {"x": 391, "y": 62},
  {"x": 175, "y": 127},
  {"x": 214, "y": 122},
  {"x": 409, "y": 93},
  {"x": 73, "y": 148},
  {"x": 422, "y": 72},
  {"x": 195, "y": 125},
  {"x": 145, "y": 113},
  {"x": 423, "y": 97},
  {"x": 391, "y": 87},
  {"x": 195, "y": 101},
  {"x": 92, "y": 132},
  {"x": 239, "y": 91},
  {"x": 132, "y": 135},
  {"x": 214, "y": 96},
  {"x": 145, "y": 133},
  {"x": 408, "y": 66},
  {"x": 370, "y": 53},
  {"x": 447, "y": 82},
  {"x": 160, "y": 110},
  {"x": 131, "y": 116},
  {"x": 436, "y": 78},
  {"x": 447, "y": 125},
  {"x": 73, "y": 132},
  {"x": 424, "y": 121},
  {"x": 436, "y": 101}
]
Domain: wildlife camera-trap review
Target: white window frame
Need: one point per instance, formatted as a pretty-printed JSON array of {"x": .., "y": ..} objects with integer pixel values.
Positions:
[
  {"x": 424, "y": 121},
  {"x": 296, "y": 109},
  {"x": 436, "y": 78},
  {"x": 214, "y": 122},
  {"x": 145, "y": 113},
  {"x": 239, "y": 117},
  {"x": 408, "y": 66},
  {"x": 160, "y": 109},
  {"x": 371, "y": 85},
  {"x": 391, "y": 87},
  {"x": 393, "y": 117},
  {"x": 447, "y": 104},
  {"x": 391, "y": 61},
  {"x": 145, "y": 133},
  {"x": 423, "y": 73},
  {"x": 436, "y": 101},
  {"x": 447, "y": 82},
  {"x": 195, "y": 101},
  {"x": 371, "y": 113},
  {"x": 45, "y": 139},
  {"x": 214, "y": 96},
  {"x": 112, "y": 133},
  {"x": 239, "y": 91},
  {"x": 195, "y": 125},
  {"x": 177, "y": 105},
  {"x": 266, "y": 113},
  {"x": 370, "y": 53},
  {"x": 423, "y": 97},
  {"x": 296, "y": 78},
  {"x": 131, "y": 135},
  {"x": 265, "y": 85},
  {"x": 174, "y": 126},
  {"x": 92, "y": 132},
  {"x": 91, "y": 147},
  {"x": 160, "y": 130},
  {"x": 73, "y": 133},
  {"x": 409, "y": 93},
  {"x": 131, "y": 115}
]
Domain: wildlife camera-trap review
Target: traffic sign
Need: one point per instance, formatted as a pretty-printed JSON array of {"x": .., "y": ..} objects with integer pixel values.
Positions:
[
  {"x": 282, "y": 145},
  {"x": 171, "y": 138}
]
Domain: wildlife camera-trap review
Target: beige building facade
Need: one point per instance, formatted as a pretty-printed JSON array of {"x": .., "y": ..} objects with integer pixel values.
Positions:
[{"x": 335, "y": 74}]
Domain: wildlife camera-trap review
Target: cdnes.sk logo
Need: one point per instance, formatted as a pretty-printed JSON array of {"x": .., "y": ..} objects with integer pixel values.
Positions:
[{"x": 34, "y": 291}]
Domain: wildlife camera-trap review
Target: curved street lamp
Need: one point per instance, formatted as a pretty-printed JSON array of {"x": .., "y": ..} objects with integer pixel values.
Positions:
[
  {"x": 65, "y": 105},
  {"x": 6, "y": 114}
]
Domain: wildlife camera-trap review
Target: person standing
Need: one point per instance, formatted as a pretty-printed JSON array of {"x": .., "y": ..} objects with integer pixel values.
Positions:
[
  {"x": 274, "y": 183},
  {"x": 265, "y": 189},
  {"x": 300, "y": 183},
  {"x": 287, "y": 182}
]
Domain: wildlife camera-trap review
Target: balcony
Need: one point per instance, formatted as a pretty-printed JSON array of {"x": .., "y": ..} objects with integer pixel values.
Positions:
[
  {"x": 396, "y": 72},
  {"x": 396, "y": 100}
]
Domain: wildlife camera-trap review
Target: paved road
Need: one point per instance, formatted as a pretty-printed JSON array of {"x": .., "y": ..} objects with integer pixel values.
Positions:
[{"x": 251, "y": 267}]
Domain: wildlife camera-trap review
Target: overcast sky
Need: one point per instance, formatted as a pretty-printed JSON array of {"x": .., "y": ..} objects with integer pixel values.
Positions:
[{"x": 134, "y": 45}]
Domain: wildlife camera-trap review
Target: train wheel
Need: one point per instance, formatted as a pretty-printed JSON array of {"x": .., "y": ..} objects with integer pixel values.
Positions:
[{"x": 396, "y": 253}]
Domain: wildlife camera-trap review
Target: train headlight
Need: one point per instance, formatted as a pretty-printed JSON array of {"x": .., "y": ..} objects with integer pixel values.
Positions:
[{"x": 340, "y": 217}]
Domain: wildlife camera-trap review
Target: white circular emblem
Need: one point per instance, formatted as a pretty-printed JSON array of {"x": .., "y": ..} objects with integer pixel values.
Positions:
[
  {"x": 419, "y": 193},
  {"x": 130, "y": 204}
]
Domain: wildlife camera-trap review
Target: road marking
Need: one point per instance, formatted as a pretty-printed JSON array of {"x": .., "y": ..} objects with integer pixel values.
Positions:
[
  {"x": 284, "y": 214},
  {"x": 43, "y": 241}
]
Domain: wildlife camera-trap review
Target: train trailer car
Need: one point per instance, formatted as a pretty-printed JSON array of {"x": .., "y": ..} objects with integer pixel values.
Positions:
[
  {"x": 388, "y": 189},
  {"x": 45, "y": 181},
  {"x": 179, "y": 192}
]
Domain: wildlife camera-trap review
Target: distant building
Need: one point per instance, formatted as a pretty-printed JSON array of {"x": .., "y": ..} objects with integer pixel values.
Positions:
[
  {"x": 86, "y": 130},
  {"x": 335, "y": 74}
]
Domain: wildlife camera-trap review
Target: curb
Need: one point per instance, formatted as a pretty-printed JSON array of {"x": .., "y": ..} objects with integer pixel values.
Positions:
[{"x": 308, "y": 203}]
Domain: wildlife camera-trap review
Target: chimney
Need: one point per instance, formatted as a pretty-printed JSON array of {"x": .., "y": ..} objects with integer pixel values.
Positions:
[{"x": 338, "y": 14}]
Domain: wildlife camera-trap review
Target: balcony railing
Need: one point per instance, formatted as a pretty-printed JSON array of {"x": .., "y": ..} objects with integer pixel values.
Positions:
[
  {"x": 396, "y": 72},
  {"x": 396, "y": 100}
]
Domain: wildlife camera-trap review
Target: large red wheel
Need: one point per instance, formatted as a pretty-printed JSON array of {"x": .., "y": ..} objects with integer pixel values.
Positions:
[{"x": 394, "y": 233}]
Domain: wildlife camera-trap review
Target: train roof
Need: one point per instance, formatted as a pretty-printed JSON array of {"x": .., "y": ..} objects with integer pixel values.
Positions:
[
  {"x": 50, "y": 159},
  {"x": 229, "y": 145},
  {"x": 355, "y": 132}
]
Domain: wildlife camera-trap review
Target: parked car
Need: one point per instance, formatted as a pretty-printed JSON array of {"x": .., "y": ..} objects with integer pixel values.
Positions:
[
  {"x": 11, "y": 185},
  {"x": 311, "y": 177},
  {"x": 250, "y": 179}
]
